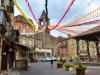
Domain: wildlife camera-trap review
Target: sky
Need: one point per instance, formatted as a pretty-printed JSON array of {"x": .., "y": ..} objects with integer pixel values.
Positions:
[{"x": 56, "y": 9}]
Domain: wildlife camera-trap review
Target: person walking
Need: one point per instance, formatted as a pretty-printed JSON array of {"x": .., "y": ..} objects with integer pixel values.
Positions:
[{"x": 52, "y": 62}]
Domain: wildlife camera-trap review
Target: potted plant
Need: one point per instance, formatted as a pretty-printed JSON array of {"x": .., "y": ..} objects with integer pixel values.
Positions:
[
  {"x": 59, "y": 64},
  {"x": 67, "y": 66},
  {"x": 80, "y": 69}
]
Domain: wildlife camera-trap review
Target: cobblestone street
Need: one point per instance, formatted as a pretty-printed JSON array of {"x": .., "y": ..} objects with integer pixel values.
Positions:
[{"x": 44, "y": 68}]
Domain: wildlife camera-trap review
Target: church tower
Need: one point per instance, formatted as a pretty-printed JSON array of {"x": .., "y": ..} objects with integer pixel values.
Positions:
[
  {"x": 43, "y": 21},
  {"x": 44, "y": 40}
]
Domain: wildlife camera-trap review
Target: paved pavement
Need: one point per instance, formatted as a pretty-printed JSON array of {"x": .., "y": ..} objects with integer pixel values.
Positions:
[
  {"x": 47, "y": 69},
  {"x": 93, "y": 70},
  {"x": 44, "y": 69}
]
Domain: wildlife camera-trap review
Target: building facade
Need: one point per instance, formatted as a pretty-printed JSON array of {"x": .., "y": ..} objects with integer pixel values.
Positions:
[
  {"x": 6, "y": 48},
  {"x": 62, "y": 47},
  {"x": 26, "y": 38}
]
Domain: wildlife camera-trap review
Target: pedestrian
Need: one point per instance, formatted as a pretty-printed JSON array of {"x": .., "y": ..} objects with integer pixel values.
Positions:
[
  {"x": 61, "y": 60},
  {"x": 52, "y": 62},
  {"x": 29, "y": 66}
]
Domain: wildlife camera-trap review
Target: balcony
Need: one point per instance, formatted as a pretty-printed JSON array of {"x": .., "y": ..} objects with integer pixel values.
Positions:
[
  {"x": 10, "y": 8},
  {"x": 12, "y": 35},
  {"x": 15, "y": 33}
]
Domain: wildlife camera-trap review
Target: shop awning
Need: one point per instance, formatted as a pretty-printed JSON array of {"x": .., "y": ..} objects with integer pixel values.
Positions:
[{"x": 22, "y": 46}]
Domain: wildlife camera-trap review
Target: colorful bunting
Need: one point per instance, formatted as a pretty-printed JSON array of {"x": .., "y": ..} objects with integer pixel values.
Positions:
[
  {"x": 64, "y": 15},
  {"x": 32, "y": 25}
]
